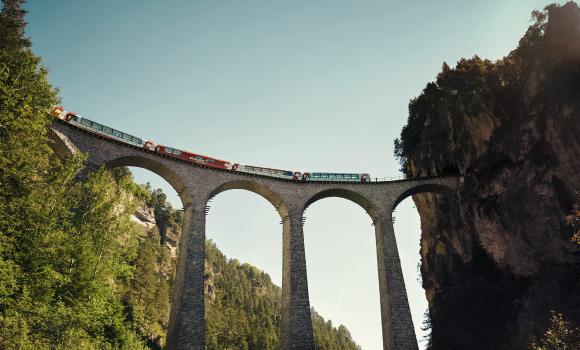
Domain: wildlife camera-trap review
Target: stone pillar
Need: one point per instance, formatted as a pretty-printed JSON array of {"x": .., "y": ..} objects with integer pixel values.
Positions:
[
  {"x": 398, "y": 330},
  {"x": 296, "y": 323},
  {"x": 187, "y": 321}
]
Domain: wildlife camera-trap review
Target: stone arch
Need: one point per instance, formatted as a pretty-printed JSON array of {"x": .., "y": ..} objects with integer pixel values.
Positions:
[
  {"x": 342, "y": 242},
  {"x": 263, "y": 191},
  {"x": 152, "y": 165},
  {"x": 429, "y": 187},
  {"x": 350, "y": 195}
]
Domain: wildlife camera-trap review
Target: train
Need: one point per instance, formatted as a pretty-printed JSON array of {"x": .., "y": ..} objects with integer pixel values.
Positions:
[{"x": 199, "y": 159}]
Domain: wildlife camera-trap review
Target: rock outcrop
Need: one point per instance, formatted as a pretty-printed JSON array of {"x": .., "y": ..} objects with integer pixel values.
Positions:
[{"x": 497, "y": 257}]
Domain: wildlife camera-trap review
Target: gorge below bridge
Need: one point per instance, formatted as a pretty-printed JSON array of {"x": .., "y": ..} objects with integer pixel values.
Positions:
[{"x": 197, "y": 184}]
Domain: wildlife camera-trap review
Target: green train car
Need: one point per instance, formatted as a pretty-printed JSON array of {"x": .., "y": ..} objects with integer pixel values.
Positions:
[{"x": 340, "y": 177}]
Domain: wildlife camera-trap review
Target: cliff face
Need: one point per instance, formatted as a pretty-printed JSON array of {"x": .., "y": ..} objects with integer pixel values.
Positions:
[{"x": 497, "y": 257}]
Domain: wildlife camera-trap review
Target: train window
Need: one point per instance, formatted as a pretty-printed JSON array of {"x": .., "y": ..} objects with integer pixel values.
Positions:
[
  {"x": 136, "y": 140},
  {"x": 117, "y": 133},
  {"x": 209, "y": 160},
  {"x": 177, "y": 152},
  {"x": 127, "y": 137},
  {"x": 107, "y": 129},
  {"x": 86, "y": 122},
  {"x": 97, "y": 126}
]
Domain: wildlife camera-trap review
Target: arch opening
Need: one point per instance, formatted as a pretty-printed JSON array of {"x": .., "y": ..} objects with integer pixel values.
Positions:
[
  {"x": 152, "y": 249},
  {"x": 408, "y": 228},
  {"x": 433, "y": 188},
  {"x": 243, "y": 261},
  {"x": 256, "y": 188},
  {"x": 342, "y": 266},
  {"x": 158, "y": 169},
  {"x": 352, "y": 196}
]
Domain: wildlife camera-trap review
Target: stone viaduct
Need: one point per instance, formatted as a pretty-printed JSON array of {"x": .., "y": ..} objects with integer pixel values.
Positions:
[{"x": 196, "y": 185}]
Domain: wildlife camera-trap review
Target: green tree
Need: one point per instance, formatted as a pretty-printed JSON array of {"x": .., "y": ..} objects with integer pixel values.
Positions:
[
  {"x": 59, "y": 239},
  {"x": 12, "y": 25}
]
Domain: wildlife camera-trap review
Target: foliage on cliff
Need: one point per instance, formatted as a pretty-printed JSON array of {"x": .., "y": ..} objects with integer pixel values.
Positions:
[
  {"x": 328, "y": 337},
  {"x": 560, "y": 336},
  {"x": 242, "y": 305},
  {"x": 458, "y": 118},
  {"x": 498, "y": 256}
]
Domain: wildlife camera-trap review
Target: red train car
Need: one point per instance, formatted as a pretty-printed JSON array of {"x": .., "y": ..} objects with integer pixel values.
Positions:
[{"x": 191, "y": 157}]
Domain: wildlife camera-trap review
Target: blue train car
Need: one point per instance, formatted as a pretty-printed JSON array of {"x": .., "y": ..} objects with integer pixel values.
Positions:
[
  {"x": 341, "y": 177},
  {"x": 107, "y": 131}
]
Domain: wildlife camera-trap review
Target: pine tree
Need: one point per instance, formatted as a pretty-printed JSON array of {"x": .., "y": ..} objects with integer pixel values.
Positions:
[{"x": 12, "y": 25}]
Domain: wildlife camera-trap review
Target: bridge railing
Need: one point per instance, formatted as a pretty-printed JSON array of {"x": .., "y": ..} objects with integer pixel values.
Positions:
[
  {"x": 388, "y": 178},
  {"x": 404, "y": 178}
]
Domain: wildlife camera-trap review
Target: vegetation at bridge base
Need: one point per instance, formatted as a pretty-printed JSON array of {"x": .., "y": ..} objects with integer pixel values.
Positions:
[
  {"x": 498, "y": 256},
  {"x": 328, "y": 337},
  {"x": 243, "y": 309}
]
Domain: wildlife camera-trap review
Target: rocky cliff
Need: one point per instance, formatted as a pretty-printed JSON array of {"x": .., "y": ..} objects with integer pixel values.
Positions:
[{"x": 498, "y": 256}]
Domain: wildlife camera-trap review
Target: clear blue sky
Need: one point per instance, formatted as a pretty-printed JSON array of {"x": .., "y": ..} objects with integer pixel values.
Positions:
[{"x": 301, "y": 85}]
